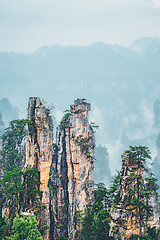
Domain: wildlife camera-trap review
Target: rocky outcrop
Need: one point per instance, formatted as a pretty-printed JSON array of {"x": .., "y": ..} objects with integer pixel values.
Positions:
[
  {"x": 39, "y": 152},
  {"x": 129, "y": 214},
  {"x": 72, "y": 170}
]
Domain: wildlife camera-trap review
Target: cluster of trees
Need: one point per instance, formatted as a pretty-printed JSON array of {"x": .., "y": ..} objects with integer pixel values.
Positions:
[
  {"x": 96, "y": 222},
  {"x": 19, "y": 188},
  {"x": 23, "y": 228}
]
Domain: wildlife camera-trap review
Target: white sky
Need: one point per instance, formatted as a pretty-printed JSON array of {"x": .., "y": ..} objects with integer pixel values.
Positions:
[{"x": 26, "y": 25}]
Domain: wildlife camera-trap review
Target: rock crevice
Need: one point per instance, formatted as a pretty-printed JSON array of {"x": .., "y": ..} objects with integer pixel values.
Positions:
[{"x": 74, "y": 168}]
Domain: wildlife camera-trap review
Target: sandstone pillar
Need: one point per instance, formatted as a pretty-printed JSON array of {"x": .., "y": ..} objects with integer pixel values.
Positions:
[{"x": 39, "y": 151}]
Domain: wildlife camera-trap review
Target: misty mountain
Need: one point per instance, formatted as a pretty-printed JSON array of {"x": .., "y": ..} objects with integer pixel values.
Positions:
[
  {"x": 7, "y": 112},
  {"x": 120, "y": 83}
]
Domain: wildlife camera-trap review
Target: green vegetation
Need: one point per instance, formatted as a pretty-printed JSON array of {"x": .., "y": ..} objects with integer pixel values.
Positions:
[
  {"x": 64, "y": 120},
  {"x": 4, "y": 228},
  {"x": 25, "y": 228},
  {"x": 95, "y": 225},
  {"x": 84, "y": 144},
  {"x": 44, "y": 102},
  {"x": 139, "y": 155},
  {"x": 19, "y": 188},
  {"x": 113, "y": 190},
  {"x": 11, "y": 140},
  {"x": 152, "y": 234},
  {"x": 62, "y": 238},
  {"x": 138, "y": 195}
]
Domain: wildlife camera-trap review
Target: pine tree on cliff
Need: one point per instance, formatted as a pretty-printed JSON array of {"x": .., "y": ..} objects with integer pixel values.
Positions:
[
  {"x": 11, "y": 140},
  {"x": 132, "y": 210}
]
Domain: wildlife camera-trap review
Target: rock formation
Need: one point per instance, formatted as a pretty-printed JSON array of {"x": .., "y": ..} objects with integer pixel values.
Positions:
[
  {"x": 127, "y": 216},
  {"x": 72, "y": 170},
  {"x": 39, "y": 151},
  {"x": 66, "y": 173}
]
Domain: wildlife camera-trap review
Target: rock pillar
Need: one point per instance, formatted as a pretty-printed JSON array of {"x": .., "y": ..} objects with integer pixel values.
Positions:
[
  {"x": 39, "y": 152},
  {"x": 130, "y": 212},
  {"x": 74, "y": 167}
]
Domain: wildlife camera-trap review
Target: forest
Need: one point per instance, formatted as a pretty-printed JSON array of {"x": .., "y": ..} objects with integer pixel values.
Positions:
[{"x": 20, "y": 191}]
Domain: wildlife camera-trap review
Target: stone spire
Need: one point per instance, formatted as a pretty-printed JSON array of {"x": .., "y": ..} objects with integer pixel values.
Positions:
[
  {"x": 74, "y": 168},
  {"x": 129, "y": 215},
  {"x": 39, "y": 150}
]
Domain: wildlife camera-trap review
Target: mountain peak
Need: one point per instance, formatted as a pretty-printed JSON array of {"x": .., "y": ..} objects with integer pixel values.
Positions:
[{"x": 145, "y": 43}]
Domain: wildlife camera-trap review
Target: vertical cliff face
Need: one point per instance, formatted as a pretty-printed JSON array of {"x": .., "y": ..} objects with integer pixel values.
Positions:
[
  {"x": 129, "y": 215},
  {"x": 39, "y": 151},
  {"x": 125, "y": 218},
  {"x": 74, "y": 167}
]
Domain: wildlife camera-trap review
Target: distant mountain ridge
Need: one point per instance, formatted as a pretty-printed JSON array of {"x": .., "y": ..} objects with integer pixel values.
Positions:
[
  {"x": 121, "y": 84},
  {"x": 144, "y": 44}
]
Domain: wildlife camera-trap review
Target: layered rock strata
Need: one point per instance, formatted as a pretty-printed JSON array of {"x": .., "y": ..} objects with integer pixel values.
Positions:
[
  {"x": 72, "y": 170},
  {"x": 127, "y": 217},
  {"x": 39, "y": 151}
]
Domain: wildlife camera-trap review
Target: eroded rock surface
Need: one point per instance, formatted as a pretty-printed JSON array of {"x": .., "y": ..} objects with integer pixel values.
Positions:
[
  {"x": 39, "y": 151},
  {"x": 73, "y": 169},
  {"x": 127, "y": 217}
]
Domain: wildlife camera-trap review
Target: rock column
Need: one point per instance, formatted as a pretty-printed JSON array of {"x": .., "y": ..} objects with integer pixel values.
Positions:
[
  {"x": 39, "y": 151},
  {"x": 74, "y": 166},
  {"x": 128, "y": 215}
]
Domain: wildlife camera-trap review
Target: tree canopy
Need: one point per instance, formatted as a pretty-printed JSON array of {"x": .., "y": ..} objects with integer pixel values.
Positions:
[
  {"x": 25, "y": 228},
  {"x": 11, "y": 140}
]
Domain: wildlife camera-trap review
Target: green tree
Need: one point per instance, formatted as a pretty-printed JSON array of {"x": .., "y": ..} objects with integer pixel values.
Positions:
[
  {"x": 12, "y": 188},
  {"x": 21, "y": 188},
  {"x": 113, "y": 192},
  {"x": 4, "y": 228},
  {"x": 86, "y": 232},
  {"x": 139, "y": 195},
  {"x": 139, "y": 155},
  {"x": 25, "y": 228},
  {"x": 31, "y": 187},
  {"x": 95, "y": 225},
  {"x": 11, "y": 140}
]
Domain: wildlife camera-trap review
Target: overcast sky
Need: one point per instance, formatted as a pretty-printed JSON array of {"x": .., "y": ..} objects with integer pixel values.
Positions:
[{"x": 26, "y": 25}]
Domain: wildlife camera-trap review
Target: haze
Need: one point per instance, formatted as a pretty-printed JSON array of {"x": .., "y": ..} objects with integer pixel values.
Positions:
[{"x": 26, "y": 25}]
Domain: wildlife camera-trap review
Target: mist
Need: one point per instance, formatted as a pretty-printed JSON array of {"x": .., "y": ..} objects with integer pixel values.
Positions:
[{"x": 121, "y": 84}]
